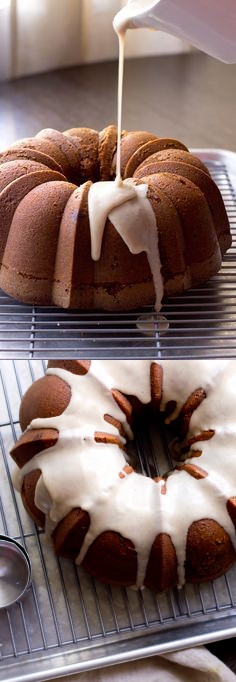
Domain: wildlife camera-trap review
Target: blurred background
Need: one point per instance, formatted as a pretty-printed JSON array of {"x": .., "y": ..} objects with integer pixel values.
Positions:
[
  {"x": 59, "y": 65},
  {"x": 41, "y": 35}
]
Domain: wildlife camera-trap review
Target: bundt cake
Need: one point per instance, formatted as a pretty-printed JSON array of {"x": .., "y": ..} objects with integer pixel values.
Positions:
[
  {"x": 73, "y": 235},
  {"x": 77, "y": 482}
]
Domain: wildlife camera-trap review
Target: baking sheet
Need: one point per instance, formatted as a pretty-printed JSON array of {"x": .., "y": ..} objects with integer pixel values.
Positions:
[
  {"x": 200, "y": 323},
  {"x": 69, "y": 622}
]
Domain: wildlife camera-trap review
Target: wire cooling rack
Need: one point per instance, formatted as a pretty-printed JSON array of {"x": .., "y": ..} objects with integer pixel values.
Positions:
[
  {"x": 200, "y": 323},
  {"x": 68, "y": 622}
]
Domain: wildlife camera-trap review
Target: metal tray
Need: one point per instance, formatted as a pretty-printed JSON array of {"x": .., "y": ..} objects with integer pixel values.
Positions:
[
  {"x": 202, "y": 322},
  {"x": 68, "y": 622}
]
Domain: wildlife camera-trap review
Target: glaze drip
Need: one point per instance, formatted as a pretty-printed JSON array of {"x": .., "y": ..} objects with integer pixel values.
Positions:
[
  {"x": 79, "y": 472},
  {"x": 129, "y": 210},
  {"x": 125, "y": 204}
]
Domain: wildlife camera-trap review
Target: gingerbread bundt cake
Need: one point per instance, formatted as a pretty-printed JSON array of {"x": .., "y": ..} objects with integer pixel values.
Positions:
[
  {"x": 72, "y": 236},
  {"x": 75, "y": 479}
]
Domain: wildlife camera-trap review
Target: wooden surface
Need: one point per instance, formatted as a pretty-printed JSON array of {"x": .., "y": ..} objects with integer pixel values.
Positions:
[{"x": 189, "y": 96}]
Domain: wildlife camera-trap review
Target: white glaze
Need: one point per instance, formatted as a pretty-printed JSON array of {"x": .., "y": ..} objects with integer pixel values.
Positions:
[
  {"x": 126, "y": 205},
  {"x": 79, "y": 472},
  {"x": 129, "y": 210},
  {"x": 121, "y": 38}
]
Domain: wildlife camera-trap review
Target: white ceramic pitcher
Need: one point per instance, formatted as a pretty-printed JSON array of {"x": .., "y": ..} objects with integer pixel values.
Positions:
[{"x": 209, "y": 25}]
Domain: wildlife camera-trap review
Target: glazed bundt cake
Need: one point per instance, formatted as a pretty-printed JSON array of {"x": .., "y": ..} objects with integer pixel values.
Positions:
[
  {"x": 74, "y": 236},
  {"x": 76, "y": 481}
]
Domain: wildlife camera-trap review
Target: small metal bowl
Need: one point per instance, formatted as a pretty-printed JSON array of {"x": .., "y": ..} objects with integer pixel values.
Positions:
[{"x": 15, "y": 571}]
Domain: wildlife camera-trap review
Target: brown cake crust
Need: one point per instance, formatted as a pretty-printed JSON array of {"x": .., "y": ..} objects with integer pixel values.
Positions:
[
  {"x": 46, "y": 397},
  {"x": 187, "y": 410},
  {"x": 206, "y": 538},
  {"x": 43, "y": 233},
  {"x": 116, "y": 557},
  {"x": 11, "y": 171},
  {"x": 74, "y": 366},
  {"x": 130, "y": 143},
  {"x": 231, "y": 508},
  {"x": 172, "y": 155},
  {"x": 204, "y": 182},
  {"x": 161, "y": 573},
  {"x": 175, "y": 270},
  {"x": 31, "y": 443},
  {"x": 86, "y": 143},
  {"x": 69, "y": 534},
  {"x": 107, "y": 146},
  {"x": 194, "y": 211},
  {"x": 63, "y": 143},
  {"x": 192, "y": 224},
  {"x": 15, "y": 153},
  {"x": 45, "y": 146},
  {"x": 150, "y": 147},
  {"x": 11, "y": 197},
  {"x": 28, "y": 497},
  {"x": 74, "y": 267}
]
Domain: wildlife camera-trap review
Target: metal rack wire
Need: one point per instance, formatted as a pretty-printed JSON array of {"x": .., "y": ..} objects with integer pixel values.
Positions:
[
  {"x": 69, "y": 622},
  {"x": 200, "y": 323}
]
